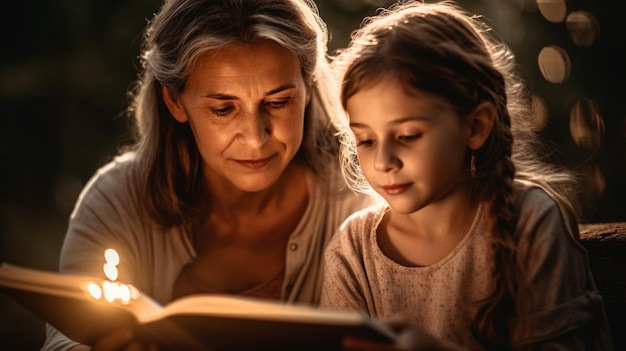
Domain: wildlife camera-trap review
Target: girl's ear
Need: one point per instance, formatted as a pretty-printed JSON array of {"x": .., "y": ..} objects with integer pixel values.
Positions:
[
  {"x": 481, "y": 123},
  {"x": 173, "y": 103}
]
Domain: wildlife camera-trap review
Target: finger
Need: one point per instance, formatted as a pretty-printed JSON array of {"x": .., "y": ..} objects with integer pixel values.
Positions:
[
  {"x": 355, "y": 344},
  {"x": 397, "y": 322},
  {"x": 134, "y": 346},
  {"x": 114, "y": 341}
]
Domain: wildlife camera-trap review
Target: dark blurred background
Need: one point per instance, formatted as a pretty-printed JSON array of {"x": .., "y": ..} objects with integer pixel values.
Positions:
[{"x": 66, "y": 66}]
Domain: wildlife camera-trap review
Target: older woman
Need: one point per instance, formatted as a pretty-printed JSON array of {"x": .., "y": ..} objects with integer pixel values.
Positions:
[{"x": 233, "y": 184}]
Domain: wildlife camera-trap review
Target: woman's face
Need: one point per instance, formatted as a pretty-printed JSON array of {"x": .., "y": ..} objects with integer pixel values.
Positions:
[{"x": 245, "y": 106}]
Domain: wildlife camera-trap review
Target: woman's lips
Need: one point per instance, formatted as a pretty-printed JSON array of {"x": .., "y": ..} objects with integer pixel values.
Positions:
[
  {"x": 395, "y": 189},
  {"x": 255, "y": 164}
]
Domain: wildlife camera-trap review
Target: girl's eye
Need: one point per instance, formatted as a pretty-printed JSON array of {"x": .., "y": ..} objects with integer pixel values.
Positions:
[
  {"x": 366, "y": 142},
  {"x": 221, "y": 112},
  {"x": 411, "y": 137}
]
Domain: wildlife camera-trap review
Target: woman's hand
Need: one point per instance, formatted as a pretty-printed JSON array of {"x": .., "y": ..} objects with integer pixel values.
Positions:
[
  {"x": 410, "y": 337},
  {"x": 121, "y": 340}
]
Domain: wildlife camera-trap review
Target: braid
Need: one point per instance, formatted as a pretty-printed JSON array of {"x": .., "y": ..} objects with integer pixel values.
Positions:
[
  {"x": 493, "y": 185},
  {"x": 491, "y": 327}
]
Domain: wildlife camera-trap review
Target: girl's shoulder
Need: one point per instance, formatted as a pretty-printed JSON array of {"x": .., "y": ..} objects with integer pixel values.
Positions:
[
  {"x": 357, "y": 234},
  {"x": 533, "y": 200},
  {"x": 528, "y": 194},
  {"x": 541, "y": 219},
  {"x": 368, "y": 217}
]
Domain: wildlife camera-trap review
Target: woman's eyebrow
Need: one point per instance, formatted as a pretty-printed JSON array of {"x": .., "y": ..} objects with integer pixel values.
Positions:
[
  {"x": 280, "y": 88},
  {"x": 220, "y": 96}
]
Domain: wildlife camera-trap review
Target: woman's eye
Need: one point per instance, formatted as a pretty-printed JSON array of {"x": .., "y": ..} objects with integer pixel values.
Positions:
[
  {"x": 221, "y": 111},
  {"x": 278, "y": 103}
]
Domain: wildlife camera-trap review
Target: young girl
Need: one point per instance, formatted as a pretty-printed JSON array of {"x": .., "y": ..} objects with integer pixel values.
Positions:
[{"x": 477, "y": 241}]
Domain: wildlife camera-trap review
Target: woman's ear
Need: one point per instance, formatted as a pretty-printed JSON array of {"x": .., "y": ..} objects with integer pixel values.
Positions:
[
  {"x": 309, "y": 92},
  {"x": 173, "y": 103},
  {"x": 481, "y": 121}
]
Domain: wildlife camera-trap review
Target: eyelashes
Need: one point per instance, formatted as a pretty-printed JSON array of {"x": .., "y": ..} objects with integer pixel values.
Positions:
[
  {"x": 401, "y": 138},
  {"x": 271, "y": 105}
]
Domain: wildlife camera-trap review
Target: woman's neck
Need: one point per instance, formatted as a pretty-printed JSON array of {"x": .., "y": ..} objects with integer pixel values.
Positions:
[{"x": 227, "y": 201}]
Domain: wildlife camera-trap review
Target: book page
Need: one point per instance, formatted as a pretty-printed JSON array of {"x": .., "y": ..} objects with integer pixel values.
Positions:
[{"x": 238, "y": 306}]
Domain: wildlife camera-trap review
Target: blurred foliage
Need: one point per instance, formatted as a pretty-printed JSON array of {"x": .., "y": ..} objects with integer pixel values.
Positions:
[{"x": 67, "y": 65}]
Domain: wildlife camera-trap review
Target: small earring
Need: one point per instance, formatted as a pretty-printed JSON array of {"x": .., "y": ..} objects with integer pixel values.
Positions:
[{"x": 473, "y": 163}]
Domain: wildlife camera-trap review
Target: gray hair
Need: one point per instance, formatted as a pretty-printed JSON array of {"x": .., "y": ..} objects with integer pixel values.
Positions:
[{"x": 168, "y": 164}]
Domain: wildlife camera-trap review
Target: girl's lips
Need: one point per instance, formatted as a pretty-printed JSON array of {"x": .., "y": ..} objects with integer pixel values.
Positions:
[
  {"x": 255, "y": 164},
  {"x": 395, "y": 189}
]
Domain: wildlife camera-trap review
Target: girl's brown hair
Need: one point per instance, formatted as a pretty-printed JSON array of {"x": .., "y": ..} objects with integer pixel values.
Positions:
[{"x": 440, "y": 49}]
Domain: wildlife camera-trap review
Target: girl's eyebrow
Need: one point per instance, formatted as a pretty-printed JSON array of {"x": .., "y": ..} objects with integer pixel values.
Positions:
[
  {"x": 358, "y": 125},
  {"x": 219, "y": 96},
  {"x": 395, "y": 121}
]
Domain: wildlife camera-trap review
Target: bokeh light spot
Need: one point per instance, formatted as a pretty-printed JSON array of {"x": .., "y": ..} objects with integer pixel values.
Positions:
[
  {"x": 583, "y": 28},
  {"x": 585, "y": 124},
  {"x": 553, "y": 10},
  {"x": 94, "y": 291},
  {"x": 110, "y": 271},
  {"x": 554, "y": 64},
  {"x": 111, "y": 256},
  {"x": 595, "y": 180}
]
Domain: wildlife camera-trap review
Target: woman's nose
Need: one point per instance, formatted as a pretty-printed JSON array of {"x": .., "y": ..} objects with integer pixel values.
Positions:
[{"x": 255, "y": 129}]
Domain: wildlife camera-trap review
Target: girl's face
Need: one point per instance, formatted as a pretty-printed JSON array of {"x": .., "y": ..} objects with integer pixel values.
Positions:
[
  {"x": 410, "y": 144},
  {"x": 245, "y": 106}
]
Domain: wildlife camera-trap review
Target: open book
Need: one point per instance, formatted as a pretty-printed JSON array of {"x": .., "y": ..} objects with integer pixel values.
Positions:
[{"x": 196, "y": 322}]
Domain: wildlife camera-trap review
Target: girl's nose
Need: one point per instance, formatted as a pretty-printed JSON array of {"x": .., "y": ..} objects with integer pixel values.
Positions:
[{"x": 386, "y": 159}]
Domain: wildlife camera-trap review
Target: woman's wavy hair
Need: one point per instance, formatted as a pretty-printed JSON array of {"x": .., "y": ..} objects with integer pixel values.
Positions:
[
  {"x": 168, "y": 164},
  {"x": 441, "y": 49}
]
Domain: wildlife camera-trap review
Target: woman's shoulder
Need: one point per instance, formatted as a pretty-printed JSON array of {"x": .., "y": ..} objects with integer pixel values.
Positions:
[
  {"x": 113, "y": 180},
  {"x": 115, "y": 167}
]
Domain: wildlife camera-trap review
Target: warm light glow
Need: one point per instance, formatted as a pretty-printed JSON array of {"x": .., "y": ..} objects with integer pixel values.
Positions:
[
  {"x": 123, "y": 293},
  {"x": 110, "y": 271},
  {"x": 134, "y": 293},
  {"x": 111, "y": 256},
  {"x": 110, "y": 291},
  {"x": 94, "y": 291}
]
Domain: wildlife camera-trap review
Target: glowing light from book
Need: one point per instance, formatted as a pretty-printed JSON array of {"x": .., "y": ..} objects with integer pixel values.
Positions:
[
  {"x": 94, "y": 290},
  {"x": 110, "y": 271},
  {"x": 111, "y": 256},
  {"x": 112, "y": 259},
  {"x": 112, "y": 290},
  {"x": 123, "y": 292}
]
